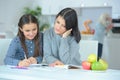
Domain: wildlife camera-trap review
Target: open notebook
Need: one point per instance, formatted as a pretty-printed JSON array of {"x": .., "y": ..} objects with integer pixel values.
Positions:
[{"x": 57, "y": 67}]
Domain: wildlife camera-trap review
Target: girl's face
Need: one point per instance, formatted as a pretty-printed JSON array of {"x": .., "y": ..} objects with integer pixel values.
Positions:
[
  {"x": 29, "y": 30},
  {"x": 59, "y": 26}
]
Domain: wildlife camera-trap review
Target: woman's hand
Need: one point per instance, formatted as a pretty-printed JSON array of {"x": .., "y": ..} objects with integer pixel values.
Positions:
[
  {"x": 32, "y": 60},
  {"x": 109, "y": 27},
  {"x": 56, "y": 63},
  {"x": 24, "y": 63},
  {"x": 67, "y": 33}
]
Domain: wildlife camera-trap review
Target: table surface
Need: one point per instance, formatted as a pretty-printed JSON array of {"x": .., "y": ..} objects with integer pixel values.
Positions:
[{"x": 52, "y": 73}]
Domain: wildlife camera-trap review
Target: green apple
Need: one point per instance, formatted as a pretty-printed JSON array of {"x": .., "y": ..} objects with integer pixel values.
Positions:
[
  {"x": 99, "y": 65},
  {"x": 96, "y": 66},
  {"x": 92, "y": 58},
  {"x": 104, "y": 64}
]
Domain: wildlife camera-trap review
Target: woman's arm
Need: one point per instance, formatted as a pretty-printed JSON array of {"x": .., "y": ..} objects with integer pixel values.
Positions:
[
  {"x": 49, "y": 57},
  {"x": 69, "y": 51},
  {"x": 109, "y": 27}
]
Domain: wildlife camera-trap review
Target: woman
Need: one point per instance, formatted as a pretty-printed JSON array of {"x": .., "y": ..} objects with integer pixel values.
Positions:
[
  {"x": 26, "y": 47},
  {"x": 61, "y": 43},
  {"x": 102, "y": 28}
]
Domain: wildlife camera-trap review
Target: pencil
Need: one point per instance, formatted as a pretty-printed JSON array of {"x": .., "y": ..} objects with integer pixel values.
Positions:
[{"x": 25, "y": 56}]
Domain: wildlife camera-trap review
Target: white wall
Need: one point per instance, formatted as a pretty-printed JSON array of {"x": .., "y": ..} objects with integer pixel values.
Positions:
[
  {"x": 55, "y": 5},
  {"x": 11, "y": 10}
]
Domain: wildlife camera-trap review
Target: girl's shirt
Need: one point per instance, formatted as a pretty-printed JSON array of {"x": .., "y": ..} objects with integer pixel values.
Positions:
[{"x": 16, "y": 53}]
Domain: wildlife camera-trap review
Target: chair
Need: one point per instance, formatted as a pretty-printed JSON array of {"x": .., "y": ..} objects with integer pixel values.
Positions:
[
  {"x": 4, "y": 44},
  {"x": 111, "y": 52},
  {"x": 87, "y": 47}
]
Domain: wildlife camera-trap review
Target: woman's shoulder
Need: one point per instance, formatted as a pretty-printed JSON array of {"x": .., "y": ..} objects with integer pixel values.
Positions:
[
  {"x": 71, "y": 39},
  {"x": 98, "y": 26},
  {"x": 49, "y": 32}
]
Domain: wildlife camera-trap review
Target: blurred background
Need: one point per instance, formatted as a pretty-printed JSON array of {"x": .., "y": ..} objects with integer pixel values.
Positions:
[
  {"x": 11, "y": 11},
  {"x": 46, "y": 10}
]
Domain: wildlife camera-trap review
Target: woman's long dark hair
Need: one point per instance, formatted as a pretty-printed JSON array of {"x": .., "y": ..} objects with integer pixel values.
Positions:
[
  {"x": 70, "y": 17},
  {"x": 26, "y": 19}
]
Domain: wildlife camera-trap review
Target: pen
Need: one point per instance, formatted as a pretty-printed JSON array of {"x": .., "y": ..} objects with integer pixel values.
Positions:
[
  {"x": 25, "y": 55},
  {"x": 18, "y": 67},
  {"x": 44, "y": 65}
]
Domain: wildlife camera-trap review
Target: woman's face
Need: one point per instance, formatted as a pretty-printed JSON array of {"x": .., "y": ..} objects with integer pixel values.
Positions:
[
  {"x": 108, "y": 21},
  {"x": 29, "y": 30},
  {"x": 59, "y": 26}
]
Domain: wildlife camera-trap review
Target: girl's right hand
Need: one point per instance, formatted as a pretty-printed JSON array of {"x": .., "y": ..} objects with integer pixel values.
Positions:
[
  {"x": 24, "y": 63},
  {"x": 32, "y": 60}
]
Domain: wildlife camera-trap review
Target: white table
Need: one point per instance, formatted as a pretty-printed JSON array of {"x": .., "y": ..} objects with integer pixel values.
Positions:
[{"x": 56, "y": 74}]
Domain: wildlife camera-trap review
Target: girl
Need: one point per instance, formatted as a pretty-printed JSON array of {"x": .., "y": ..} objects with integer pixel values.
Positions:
[{"x": 26, "y": 47}]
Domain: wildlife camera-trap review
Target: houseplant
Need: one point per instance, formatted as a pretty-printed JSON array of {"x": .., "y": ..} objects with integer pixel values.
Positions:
[{"x": 37, "y": 12}]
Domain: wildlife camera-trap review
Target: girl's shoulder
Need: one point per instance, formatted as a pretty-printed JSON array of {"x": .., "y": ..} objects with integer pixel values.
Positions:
[
  {"x": 16, "y": 39},
  {"x": 15, "y": 42}
]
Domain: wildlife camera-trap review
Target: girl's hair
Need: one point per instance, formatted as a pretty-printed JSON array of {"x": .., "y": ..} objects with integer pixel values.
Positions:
[
  {"x": 104, "y": 19},
  {"x": 70, "y": 17},
  {"x": 27, "y": 19}
]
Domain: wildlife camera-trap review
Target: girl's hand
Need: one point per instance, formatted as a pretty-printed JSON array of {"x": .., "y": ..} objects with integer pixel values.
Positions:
[
  {"x": 67, "y": 33},
  {"x": 24, "y": 63},
  {"x": 32, "y": 60}
]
